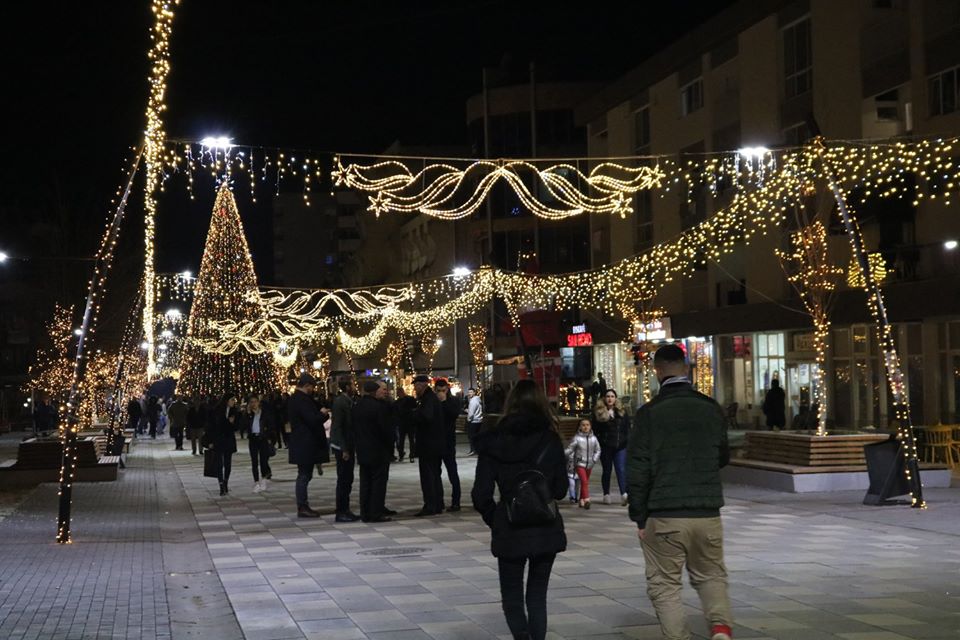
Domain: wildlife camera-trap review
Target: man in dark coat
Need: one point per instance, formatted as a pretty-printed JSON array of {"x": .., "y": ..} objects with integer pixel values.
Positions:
[
  {"x": 197, "y": 423},
  {"x": 308, "y": 440},
  {"x": 451, "y": 411},
  {"x": 405, "y": 409},
  {"x": 134, "y": 414},
  {"x": 677, "y": 446},
  {"x": 774, "y": 406},
  {"x": 431, "y": 442},
  {"x": 374, "y": 442},
  {"x": 343, "y": 443}
]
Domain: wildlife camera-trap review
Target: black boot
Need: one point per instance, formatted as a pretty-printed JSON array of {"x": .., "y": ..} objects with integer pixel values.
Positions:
[{"x": 223, "y": 489}]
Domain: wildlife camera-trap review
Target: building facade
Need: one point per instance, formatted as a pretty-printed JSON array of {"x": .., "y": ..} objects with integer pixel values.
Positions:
[{"x": 759, "y": 74}]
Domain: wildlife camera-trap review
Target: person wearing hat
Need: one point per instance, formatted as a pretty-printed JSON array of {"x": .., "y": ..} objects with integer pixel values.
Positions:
[
  {"x": 431, "y": 442},
  {"x": 374, "y": 431},
  {"x": 308, "y": 440},
  {"x": 343, "y": 443}
]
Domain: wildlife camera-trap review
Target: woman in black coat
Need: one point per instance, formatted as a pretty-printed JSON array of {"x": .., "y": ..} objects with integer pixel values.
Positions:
[
  {"x": 527, "y": 430},
  {"x": 221, "y": 437}
]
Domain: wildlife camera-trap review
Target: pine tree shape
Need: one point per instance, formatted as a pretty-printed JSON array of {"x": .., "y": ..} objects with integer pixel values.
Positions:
[{"x": 226, "y": 289}]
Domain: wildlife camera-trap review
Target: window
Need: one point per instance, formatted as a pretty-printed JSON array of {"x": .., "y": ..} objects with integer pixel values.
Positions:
[
  {"x": 797, "y": 58},
  {"x": 888, "y": 106},
  {"x": 691, "y": 97},
  {"x": 795, "y": 135},
  {"x": 942, "y": 90},
  {"x": 643, "y": 208},
  {"x": 641, "y": 131}
]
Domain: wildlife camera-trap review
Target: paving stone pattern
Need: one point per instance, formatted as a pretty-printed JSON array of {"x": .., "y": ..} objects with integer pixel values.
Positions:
[{"x": 159, "y": 554}]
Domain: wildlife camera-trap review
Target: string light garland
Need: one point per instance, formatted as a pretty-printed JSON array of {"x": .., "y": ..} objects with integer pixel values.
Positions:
[
  {"x": 225, "y": 288},
  {"x": 809, "y": 271},
  {"x": 52, "y": 369},
  {"x": 154, "y": 143},
  {"x": 430, "y": 345},
  {"x": 445, "y": 191},
  {"x": 477, "y": 335},
  {"x": 878, "y": 268}
]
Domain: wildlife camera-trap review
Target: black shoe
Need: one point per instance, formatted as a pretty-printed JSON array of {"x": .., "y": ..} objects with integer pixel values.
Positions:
[
  {"x": 389, "y": 512},
  {"x": 402, "y": 456},
  {"x": 379, "y": 519},
  {"x": 425, "y": 513},
  {"x": 346, "y": 517},
  {"x": 223, "y": 490},
  {"x": 455, "y": 507},
  {"x": 268, "y": 477},
  {"x": 307, "y": 512}
]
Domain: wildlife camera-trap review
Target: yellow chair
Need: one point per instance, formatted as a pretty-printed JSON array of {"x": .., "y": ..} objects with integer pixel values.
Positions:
[{"x": 939, "y": 443}]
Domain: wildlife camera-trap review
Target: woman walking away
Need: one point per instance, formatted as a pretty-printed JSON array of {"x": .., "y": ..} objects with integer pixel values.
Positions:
[
  {"x": 222, "y": 438},
  {"x": 522, "y": 457},
  {"x": 582, "y": 453},
  {"x": 611, "y": 425}
]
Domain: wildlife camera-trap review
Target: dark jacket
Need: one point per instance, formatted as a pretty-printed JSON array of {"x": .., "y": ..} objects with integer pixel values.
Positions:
[
  {"x": 677, "y": 447},
  {"x": 177, "y": 415},
  {"x": 612, "y": 434},
  {"x": 197, "y": 417},
  {"x": 505, "y": 451},
  {"x": 267, "y": 424},
  {"x": 308, "y": 438},
  {"x": 222, "y": 434},
  {"x": 405, "y": 411},
  {"x": 134, "y": 410},
  {"x": 342, "y": 434},
  {"x": 774, "y": 407},
  {"x": 431, "y": 439},
  {"x": 374, "y": 432},
  {"x": 451, "y": 411}
]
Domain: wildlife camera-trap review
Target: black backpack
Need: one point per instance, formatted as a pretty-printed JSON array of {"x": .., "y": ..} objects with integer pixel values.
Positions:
[{"x": 531, "y": 503}]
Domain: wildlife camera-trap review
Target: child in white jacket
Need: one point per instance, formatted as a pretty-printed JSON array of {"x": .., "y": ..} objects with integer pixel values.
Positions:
[{"x": 583, "y": 452}]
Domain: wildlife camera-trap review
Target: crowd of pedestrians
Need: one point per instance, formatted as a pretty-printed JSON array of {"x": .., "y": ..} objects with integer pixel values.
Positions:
[{"x": 666, "y": 459}]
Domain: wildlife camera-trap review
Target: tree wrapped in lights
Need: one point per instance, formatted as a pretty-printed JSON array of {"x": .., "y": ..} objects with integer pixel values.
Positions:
[
  {"x": 430, "y": 344},
  {"x": 52, "y": 371},
  {"x": 807, "y": 267},
  {"x": 478, "y": 349},
  {"x": 226, "y": 289}
]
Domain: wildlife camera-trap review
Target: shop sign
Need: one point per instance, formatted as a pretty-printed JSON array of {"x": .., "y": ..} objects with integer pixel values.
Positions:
[
  {"x": 655, "y": 331},
  {"x": 579, "y": 336},
  {"x": 803, "y": 342}
]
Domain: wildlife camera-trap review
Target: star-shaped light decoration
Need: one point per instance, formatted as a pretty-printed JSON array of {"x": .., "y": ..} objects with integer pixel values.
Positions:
[
  {"x": 340, "y": 175},
  {"x": 379, "y": 203},
  {"x": 622, "y": 206}
]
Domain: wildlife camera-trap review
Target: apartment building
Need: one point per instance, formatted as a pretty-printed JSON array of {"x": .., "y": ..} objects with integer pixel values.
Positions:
[{"x": 758, "y": 74}]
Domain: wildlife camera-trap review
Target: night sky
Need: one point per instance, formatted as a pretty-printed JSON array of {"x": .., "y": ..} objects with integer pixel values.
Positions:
[{"x": 305, "y": 74}]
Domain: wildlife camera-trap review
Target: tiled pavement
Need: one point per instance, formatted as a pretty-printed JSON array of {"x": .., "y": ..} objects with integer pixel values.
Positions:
[{"x": 802, "y": 567}]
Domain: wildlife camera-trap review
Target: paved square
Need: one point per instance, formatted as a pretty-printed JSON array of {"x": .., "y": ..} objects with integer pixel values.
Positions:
[{"x": 801, "y": 566}]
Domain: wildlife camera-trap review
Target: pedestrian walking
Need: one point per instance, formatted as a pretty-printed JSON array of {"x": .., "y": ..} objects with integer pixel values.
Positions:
[
  {"x": 431, "y": 442},
  {"x": 611, "y": 425},
  {"x": 308, "y": 445},
  {"x": 153, "y": 415},
  {"x": 221, "y": 437},
  {"x": 450, "y": 406},
  {"x": 343, "y": 443},
  {"x": 474, "y": 419},
  {"x": 774, "y": 406},
  {"x": 260, "y": 428},
  {"x": 523, "y": 450},
  {"x": 677, "y": 446},
  {"x": 134, "y": 414},
  {"x": 405, "y": 408},
  {"x": 374, "y": 441},
  {"x": 582, "y": 454},
  {"x": 196, "y": 423},
  {"x": 177, "y": 415}
]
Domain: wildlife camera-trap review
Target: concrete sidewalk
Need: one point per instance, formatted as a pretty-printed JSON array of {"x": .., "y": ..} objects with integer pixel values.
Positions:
[{"x": 159, "y": 554}]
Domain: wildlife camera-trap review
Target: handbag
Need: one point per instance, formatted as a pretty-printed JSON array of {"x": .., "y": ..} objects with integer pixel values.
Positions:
[
  {"x": 531, "y": 503},
  {"x": 210, "y": 463}
]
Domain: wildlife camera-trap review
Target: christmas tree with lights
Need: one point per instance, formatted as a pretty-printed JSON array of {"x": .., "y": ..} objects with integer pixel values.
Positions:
[
  {"x": 52, "y": 371},
  {"x": 226, "y": 289}
]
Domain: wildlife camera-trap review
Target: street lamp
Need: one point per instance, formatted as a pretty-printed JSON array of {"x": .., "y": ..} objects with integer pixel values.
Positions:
[
  {"x": 3, "y": 257},
  {"x": 950, "y": 245},
  {"x": 461, "y": 271},
  {"x": 217, "y": 142}
]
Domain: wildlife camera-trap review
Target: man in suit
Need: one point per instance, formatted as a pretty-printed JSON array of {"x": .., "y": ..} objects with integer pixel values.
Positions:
[
  {"x": 308, "y": 440},
  {"x": 374, "y": 441},
  {"x": 431, "y": 442},
  {"x": 343, "y": 443}
]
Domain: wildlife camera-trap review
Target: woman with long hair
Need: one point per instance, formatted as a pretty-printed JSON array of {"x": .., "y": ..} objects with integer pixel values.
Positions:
[
  {"x": 222, "y": 437},
  {"x": 611, "y": 425},
  {"x": 524, "y": 440}
]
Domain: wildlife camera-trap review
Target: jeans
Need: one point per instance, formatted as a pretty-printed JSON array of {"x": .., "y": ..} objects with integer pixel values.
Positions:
[
  {"x": 611, "y": 460},
  {"x": 344, "y": 481},
  {"x": 224, "y": 465},
  {"x": 668, "y": 544},
  {"x": 531, "y": 619},
  {"x": 304, "y": 475},
  {"x": 258, "y": 456},
  {"x": 450, "y": 462}
]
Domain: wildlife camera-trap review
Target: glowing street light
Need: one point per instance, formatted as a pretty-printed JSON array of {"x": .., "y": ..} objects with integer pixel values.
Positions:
[
  {"x": 173, "y": 313},
  {"x": 950, "y": 245},
  {"x": 217, "y": 142},
  {"x": 753, "y": 153},
  {"x": 186, "y": 275},
  {"x": 461, "y": 271},
  {"x": 3, "y": 256}
]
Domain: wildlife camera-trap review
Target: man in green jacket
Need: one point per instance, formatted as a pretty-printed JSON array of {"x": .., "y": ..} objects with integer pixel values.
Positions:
[{"x": 677, "y": 446}]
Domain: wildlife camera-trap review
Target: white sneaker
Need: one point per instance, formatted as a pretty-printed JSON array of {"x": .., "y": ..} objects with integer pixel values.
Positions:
[
  {"x": 264, "y": 484},
  {"x": 720, "y": 636},
  {"x": 257, "y": 488},
  {"x": 606, "y": 499},
  {"x": 623, "y": 500}
]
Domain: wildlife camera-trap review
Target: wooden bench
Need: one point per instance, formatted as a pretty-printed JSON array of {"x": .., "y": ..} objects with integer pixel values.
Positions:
[
  {"x": 39, "y": 460},
  {"x": 809, "y": 450}
]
